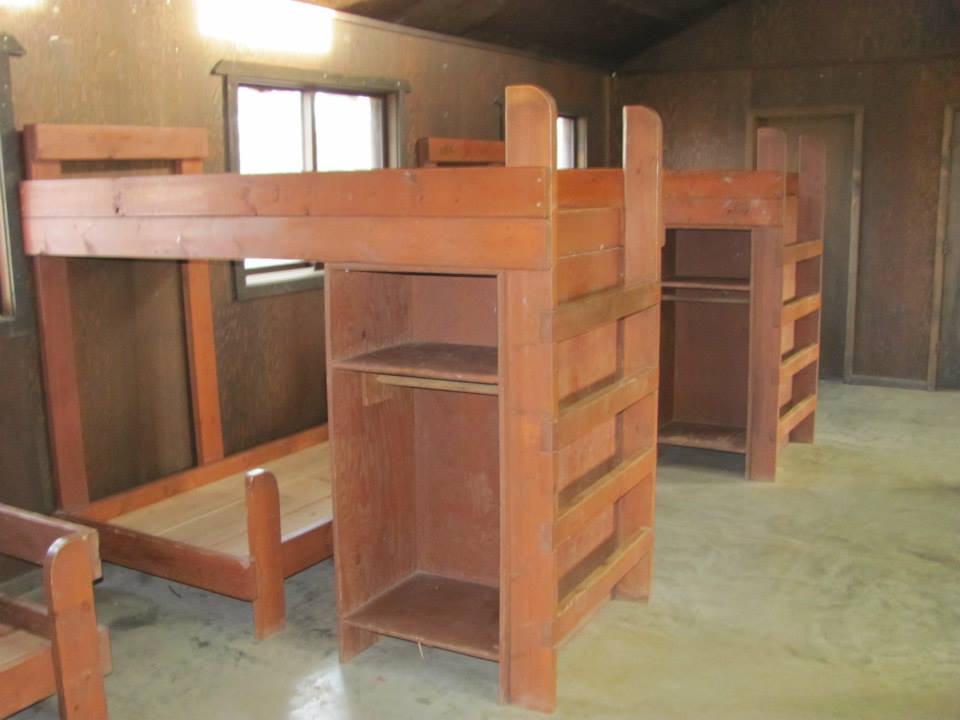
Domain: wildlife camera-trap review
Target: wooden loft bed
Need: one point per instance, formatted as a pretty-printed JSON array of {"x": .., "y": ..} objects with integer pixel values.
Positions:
[
  {"x": 209, "y": 526},
  {"x": 741, "y": 311},
  {"x": 54, "y": 647},
  {"x": 492, "y": 339},
  {"x": 459, "y": 152}
]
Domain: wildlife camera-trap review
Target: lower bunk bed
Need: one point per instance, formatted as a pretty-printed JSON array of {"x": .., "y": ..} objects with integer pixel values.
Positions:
[{"x": 238, "y": 527}]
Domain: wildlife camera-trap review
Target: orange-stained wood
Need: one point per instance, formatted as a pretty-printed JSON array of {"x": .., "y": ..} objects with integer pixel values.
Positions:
[
  {"x": 528, "y": 582},
  {"x": 55, "y": 646},
  {"x": 61, "y": 143},
  {"x": 266, "y": 553},
  {"x": 454, "y": 192},
  {"x": 436, "y": 151},
  {"x": 441, "y": 242}
]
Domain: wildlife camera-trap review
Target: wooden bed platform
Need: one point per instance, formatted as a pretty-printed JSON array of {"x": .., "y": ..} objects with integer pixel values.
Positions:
[
  {"x": 224, "y": 525},
  {"x": 493, "y": 343},
  {"x": 741, "y": 305},
  {"x": 55, "y": 647}
]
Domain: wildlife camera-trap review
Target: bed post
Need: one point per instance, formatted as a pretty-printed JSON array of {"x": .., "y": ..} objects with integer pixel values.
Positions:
[
  {"x": 68, "y": 582},
  {"x": 810, "y": 223},
  {"x": 266, "y": 553},
  {"x": 528, "y": 576},
  {"x": 643, "y": 238},
  {"x": 55, "y": 325},
  {"x": 766, "y": 302}
]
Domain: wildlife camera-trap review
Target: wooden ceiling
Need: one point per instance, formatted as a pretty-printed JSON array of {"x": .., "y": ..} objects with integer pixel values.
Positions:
[{"x": 599, "y": 32}]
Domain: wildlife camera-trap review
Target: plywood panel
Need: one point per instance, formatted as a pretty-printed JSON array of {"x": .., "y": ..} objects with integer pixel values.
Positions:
[{"x": 458, "y": 485}]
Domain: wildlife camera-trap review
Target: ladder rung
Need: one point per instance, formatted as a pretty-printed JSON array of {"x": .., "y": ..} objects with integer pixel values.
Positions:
[
  {"x": 580, "y": 417},
  {"x": 601, "y": 494},
  {"x": 798, "y": 360},
  {"x": 795, "y": 415},
  {"x": 800, "y": 307},
  {"x": 594, "y": 589},
  {"x": 579, "y": 316},
  {"x": 799, "y": 252}
]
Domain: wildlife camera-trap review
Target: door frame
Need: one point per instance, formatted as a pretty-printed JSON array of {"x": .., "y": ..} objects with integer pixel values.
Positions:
[
  {"x": 856, "y": 113},
  {"x": 940, "y": 247}
]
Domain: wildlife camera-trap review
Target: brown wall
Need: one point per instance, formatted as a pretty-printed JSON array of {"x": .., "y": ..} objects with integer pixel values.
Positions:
[
  {"x": 898, "y": 59},
  {"x": 143, "y": 62}
]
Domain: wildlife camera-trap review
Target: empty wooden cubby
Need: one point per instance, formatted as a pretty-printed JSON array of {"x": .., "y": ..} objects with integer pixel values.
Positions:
[
  {"x": 494, "y": 430},
  {"x": 741, "y": 305}
]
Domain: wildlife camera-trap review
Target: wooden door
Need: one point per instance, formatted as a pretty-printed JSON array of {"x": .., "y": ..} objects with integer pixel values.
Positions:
[
  {"x": 838, "y": 134},
  {"x": 949, "y": 365}
]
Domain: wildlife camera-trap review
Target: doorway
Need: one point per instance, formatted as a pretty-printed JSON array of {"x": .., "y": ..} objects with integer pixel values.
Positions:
[
  {"x": 841, "y": 130},
  {"x": 945, "y": 337}
]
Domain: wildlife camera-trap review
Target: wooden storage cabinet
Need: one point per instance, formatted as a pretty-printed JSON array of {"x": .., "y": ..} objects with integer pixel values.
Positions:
[
  {"x": 740, "y": 338},
  {"x": 705, "y": 339},
  {"x": 413, "y": 384}
]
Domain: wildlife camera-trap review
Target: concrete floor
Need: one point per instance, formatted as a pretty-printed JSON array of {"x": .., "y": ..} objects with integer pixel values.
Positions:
[{"x": 834, "y": 593}]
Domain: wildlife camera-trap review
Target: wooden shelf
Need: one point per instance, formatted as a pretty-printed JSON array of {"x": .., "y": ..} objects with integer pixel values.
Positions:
[
  {"x": 441, "y": 361},
  {"x": 708, "y": 283},
  {"x": 706, "y": 437},
  {"x": 437, "y": 611}
]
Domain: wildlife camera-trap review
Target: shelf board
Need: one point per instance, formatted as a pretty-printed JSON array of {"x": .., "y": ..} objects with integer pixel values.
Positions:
[
  {"x": 708, "y": 283},
  {"x": 706, "y": 437},
  {"x": 439, "y": 612},
  {"x": 440, "y": 361}
]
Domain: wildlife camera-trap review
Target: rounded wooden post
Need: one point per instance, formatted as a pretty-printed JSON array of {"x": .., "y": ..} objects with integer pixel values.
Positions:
[
  {"x": 68, "y": 581},
  {"x": 766, "y": 303},
  {"x": 528, "y": 578},
  {"x": 266, "y": 553},
  {"x": 644, "y": 236}
]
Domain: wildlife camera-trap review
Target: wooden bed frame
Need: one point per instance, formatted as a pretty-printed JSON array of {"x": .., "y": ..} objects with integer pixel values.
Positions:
[
  {"x": 540, "y": 506},
  {"x": 741, "y": 327},
  {"x": 55, "y": 647},
  {"x": 205, "y": 526}
]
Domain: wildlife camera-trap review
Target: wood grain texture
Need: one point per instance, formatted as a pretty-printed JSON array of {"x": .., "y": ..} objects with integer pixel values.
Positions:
[
  {"x": 266, "y": 553},
  {"x": 528, "y": 582}
]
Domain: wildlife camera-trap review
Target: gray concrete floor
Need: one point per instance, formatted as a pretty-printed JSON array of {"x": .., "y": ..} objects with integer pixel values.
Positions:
[{"x": 834, "y": 593}]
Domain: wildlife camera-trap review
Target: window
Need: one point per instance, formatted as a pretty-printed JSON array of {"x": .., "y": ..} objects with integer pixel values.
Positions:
[
  {"x": 294, "y": 122},
  {"x": 16, "y": 307},
  {"x": 571, "y": 142}
]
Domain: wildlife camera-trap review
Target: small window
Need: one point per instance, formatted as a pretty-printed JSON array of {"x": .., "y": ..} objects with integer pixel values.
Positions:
[
  {"x": 283, "y": 120},
  {"x": 285, "y": 131},
  {"x": 571, "y": 142}
]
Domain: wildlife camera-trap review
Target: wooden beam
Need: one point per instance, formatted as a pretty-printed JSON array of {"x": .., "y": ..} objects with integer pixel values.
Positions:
[
  {"x": 28, "y": 536},
  {"x": 451, "y": 192},
  {"x": 579, "y": 316},
  {"x": 153, "y": 492},
  {"x": 441, "y": 242},
  {"x": 115, "y": 142}
]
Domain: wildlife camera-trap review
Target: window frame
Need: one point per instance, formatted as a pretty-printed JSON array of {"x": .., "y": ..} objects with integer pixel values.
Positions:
[
  {"x": 16, "y": 297},
  {"x": 235, "y": 75}
]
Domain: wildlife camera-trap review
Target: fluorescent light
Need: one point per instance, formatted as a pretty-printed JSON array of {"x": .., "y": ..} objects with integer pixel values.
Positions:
[
  {"x": 19, "y": 3},
  {"x": 278, "y": 25}
]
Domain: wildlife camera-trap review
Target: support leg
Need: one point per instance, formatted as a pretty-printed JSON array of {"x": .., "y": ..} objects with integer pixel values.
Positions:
[
  {"x": 266, "y": 553},
  {"x": 68, "y": 581}
]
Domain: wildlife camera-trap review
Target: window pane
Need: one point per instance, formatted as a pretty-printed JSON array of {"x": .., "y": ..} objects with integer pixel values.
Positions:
[
  {"x": 349, "y": 131},
  {"x": 270, "y": 126},
  {"x": 566, "y": 142}
]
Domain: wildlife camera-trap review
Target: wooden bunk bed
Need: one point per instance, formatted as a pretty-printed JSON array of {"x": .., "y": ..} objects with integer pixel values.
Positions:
[
  {"x": 54, "y": 647},
  {"x": 493, "y": 347},
  {"x": 210, "y": 526},
  {"x": 741, "y": 305}
]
